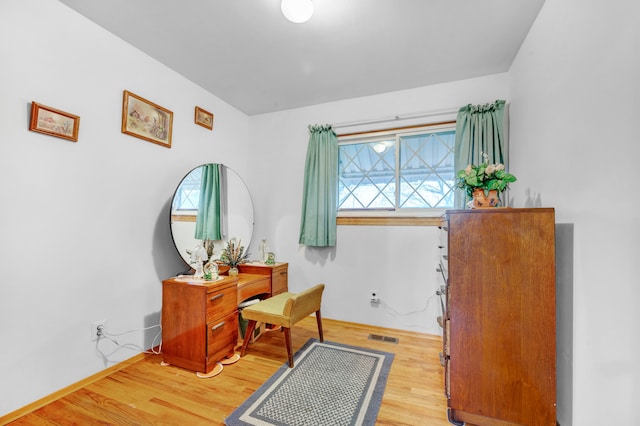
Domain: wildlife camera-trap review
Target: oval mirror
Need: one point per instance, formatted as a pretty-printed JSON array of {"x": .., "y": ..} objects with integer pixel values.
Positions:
[{"x": 236, "y": 212}]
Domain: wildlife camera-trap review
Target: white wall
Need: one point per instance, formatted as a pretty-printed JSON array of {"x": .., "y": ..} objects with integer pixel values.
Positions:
[
  {"x": 85, "y": 226},
  {"x": 574, "y": 146},
  {"x": 399, "y": 262}
]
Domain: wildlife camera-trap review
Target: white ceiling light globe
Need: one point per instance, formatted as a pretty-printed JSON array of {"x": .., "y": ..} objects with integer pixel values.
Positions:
[{"x": 297, "y": 11}]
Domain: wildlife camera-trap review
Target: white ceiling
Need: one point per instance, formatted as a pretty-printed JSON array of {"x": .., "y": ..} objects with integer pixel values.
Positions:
[{"x": 246, "y": 53}]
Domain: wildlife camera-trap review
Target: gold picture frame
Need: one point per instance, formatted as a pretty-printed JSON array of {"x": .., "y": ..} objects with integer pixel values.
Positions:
[
  {"x": 203, "y": 118},
  {"x": 146, "y": 120},
  {"x": 54, "y": 122}
]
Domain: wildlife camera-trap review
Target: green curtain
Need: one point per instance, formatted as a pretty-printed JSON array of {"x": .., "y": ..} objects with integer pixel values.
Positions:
[
  {"x": 479, "y": 130},
  {"x": 320, "y": 191},
  {"x": 208, "y": 221}
]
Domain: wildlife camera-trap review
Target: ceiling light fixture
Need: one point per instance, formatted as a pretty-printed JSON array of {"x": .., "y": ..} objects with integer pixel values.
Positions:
[
  {"x": 381, "y": 147},
  {"x": 297, "y": 11}
]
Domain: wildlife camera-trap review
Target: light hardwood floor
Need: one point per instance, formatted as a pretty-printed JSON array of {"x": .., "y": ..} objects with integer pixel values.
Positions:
[{"x": 146, "y": 393}]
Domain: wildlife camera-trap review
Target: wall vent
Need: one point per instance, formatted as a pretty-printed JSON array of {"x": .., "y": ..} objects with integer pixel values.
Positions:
[{"x": 380, "y": 338}]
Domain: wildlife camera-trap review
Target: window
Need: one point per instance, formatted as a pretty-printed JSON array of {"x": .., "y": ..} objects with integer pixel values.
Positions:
[
  {"x": 401, "y": 171},
  {"x": 187, "y": 197}
]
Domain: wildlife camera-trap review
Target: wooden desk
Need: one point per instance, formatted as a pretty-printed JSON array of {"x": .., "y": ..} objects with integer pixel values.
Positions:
[
  {"x": 200, "y": 318},
  {"x": 199, "y": 321}
]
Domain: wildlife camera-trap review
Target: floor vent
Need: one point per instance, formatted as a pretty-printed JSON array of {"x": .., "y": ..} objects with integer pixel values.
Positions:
[{"x": 380, "y": 338}]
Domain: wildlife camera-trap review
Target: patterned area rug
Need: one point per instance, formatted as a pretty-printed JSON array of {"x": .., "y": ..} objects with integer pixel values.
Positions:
[{"x": 330, "y": 384}]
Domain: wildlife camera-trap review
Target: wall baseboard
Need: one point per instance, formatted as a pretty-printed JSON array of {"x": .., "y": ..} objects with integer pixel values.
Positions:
[{"x": 14, "y": 415}]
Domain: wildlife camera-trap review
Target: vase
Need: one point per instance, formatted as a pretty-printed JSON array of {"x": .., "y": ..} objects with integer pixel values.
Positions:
[
  {"x": 233, "y": 271},
  {"x": 263, "y": 250},
  {"x": 488, "y": 199}
]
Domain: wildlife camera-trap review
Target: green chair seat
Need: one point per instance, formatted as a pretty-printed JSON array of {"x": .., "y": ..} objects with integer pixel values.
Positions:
[{"x": 284, "y": 310}]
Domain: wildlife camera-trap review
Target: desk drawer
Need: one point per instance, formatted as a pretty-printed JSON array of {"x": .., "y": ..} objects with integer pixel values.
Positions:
[
  {"x": 221, "y": 303},
  {"x": 222, "y": 337},
  {"x": 257, "y": 285},
  {"x": 279, "y": 280}
]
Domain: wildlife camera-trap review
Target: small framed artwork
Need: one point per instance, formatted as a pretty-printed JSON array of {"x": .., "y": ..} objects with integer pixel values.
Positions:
[
  {"x": 54, "y": 122},
  {"x": 204, "y": 118},
  {"x": 146, "y": 120}
]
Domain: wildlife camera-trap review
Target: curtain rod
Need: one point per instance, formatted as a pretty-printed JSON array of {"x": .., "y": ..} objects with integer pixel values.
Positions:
[{"x": 395, "y": 118}]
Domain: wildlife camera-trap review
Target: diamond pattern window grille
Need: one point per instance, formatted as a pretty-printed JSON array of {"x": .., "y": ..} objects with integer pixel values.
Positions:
[
  {"x": 366, "y": 176},
  {"x": 427, "y": 178},
  {"x": 188, "y": 195},
  {"x": 400, "y": 171}
]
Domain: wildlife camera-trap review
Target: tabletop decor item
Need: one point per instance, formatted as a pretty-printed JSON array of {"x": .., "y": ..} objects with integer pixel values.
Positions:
[
  {"x": 198, "y": 257},
  {"x": 263, "y": 250},
  {"x": 210, "y": 270},
  {"x": 484, "y": 183},
  {"x": 233, "y": 255},
  {"x": 271, "y": 258}
]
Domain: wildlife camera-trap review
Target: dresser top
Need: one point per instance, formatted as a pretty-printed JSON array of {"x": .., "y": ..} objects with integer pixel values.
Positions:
[{"x": 222, "y": 281}]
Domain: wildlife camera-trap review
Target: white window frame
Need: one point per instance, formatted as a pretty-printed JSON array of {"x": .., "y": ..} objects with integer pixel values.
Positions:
[{"x": 369, "y": 216}]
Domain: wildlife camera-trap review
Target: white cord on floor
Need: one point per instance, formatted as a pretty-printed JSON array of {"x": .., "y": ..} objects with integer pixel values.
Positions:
[{"x": 395, "y": 313}]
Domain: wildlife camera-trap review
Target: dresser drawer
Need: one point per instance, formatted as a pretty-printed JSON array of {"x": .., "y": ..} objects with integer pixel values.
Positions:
[
  {"x": 221, "y": 303},
  {"x": 279, "y": 279},
  {"x": 277, "y": 273},
  {"x": 222, "y": 336}
]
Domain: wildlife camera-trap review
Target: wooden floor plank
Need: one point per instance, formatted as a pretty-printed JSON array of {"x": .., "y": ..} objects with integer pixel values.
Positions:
[{"x": 146, "y": 393}]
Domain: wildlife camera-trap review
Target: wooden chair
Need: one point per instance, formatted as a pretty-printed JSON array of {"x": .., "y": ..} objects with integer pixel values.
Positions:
[{"x": 284, "y": 310}]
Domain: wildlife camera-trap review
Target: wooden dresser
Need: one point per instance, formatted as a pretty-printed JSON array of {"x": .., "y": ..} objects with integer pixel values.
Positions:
[
  {"x": 279, "y": 274},
  {"x": 500, "y": 327},
  {"x": 199, "y": 322}
]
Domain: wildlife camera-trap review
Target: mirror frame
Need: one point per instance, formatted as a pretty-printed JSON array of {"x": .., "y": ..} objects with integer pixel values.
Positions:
[{"x": 234, "y": 183}]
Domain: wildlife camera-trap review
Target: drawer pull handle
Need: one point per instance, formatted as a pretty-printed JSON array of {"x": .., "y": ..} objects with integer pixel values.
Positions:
[
  {"x": 217, "y": 326},
  {"x": 216, "y": 297}
]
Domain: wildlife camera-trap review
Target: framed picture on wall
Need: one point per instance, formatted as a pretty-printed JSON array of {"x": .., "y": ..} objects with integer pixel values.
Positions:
[
  {"x": 145, "y": 120},
  {"x": 204, "y": 118},
  {"x": 54, "y": 122}
]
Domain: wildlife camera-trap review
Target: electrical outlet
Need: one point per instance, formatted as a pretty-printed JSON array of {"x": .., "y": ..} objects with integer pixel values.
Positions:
[
  {"x": 374, "y": 297},
  {"x": 97, "y": 328}
]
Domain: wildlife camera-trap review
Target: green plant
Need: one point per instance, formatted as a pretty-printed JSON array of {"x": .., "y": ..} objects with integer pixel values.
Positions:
[
  {"x": 233, "y": 254},
  {"x": 485, "y": 176}
]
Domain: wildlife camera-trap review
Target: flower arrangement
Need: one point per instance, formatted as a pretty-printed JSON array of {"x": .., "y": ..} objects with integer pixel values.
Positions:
[
  {"x": 484, "y": 176},
  {"x": 233, "y": 254}
]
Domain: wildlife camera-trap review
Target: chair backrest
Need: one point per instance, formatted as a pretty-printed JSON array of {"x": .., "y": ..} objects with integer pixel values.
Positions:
[{"x": 303, "y": 304}]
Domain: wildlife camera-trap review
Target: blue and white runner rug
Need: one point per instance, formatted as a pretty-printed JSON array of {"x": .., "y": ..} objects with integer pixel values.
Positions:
[{"x": 330, "y": 384}]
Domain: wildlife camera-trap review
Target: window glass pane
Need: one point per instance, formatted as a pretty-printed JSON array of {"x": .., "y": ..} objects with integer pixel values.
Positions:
[
  {"x": 402, "y": 170},
  {"x": 426, "y": 170},
  {"x": 188, "y": 195},
  {"x": 367, "y": 175}
]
